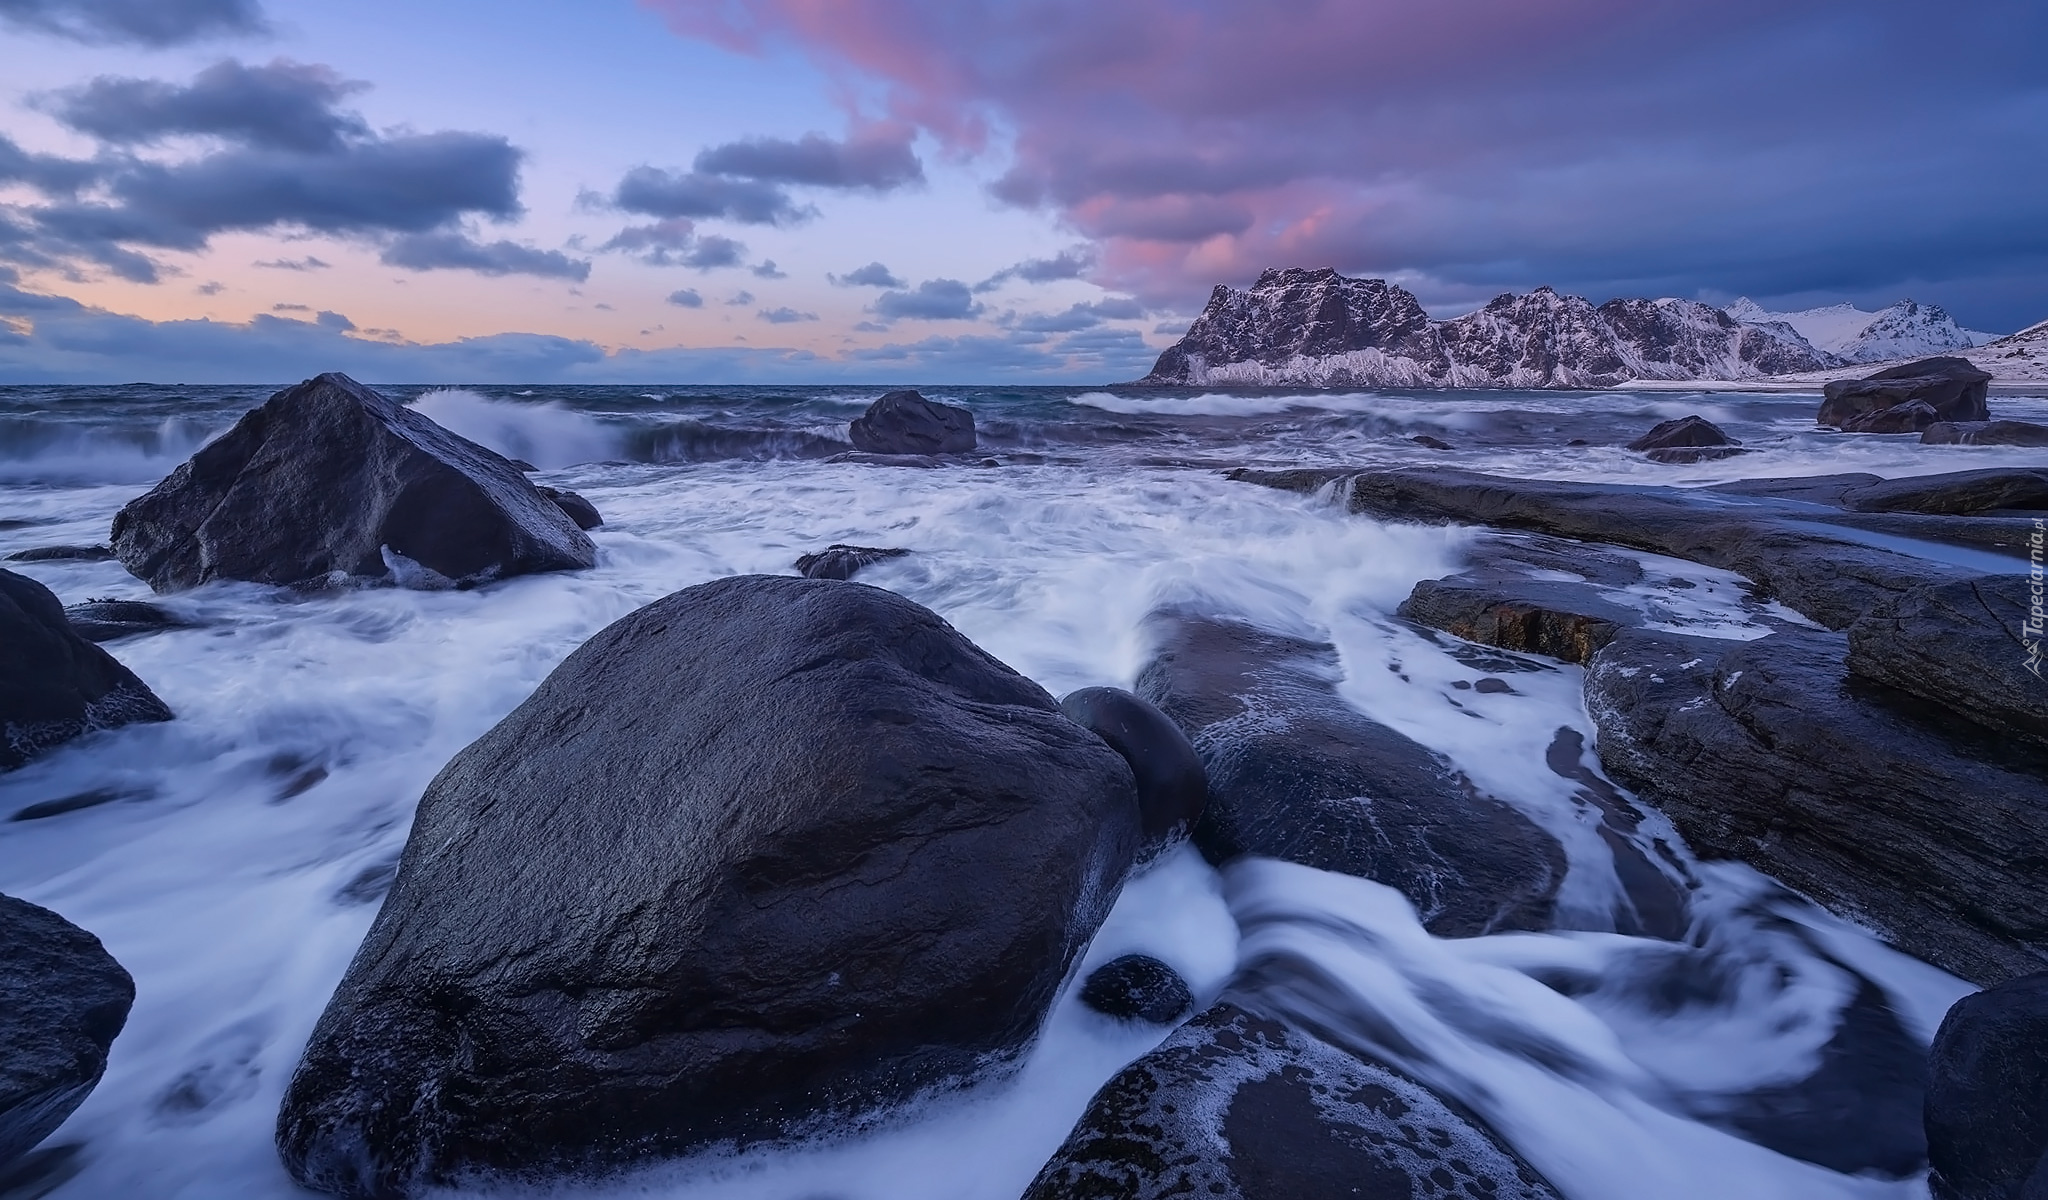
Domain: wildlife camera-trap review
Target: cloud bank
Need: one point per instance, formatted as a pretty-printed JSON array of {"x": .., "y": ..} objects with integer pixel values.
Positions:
[{"x": 1604, "y": 146}]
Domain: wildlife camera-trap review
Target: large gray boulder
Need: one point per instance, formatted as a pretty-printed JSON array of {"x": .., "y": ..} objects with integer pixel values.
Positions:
[
  {"x": 762, "y": 854},
  {"x": 1686, "y": 440},
  {"x": 907, "y": 423},
  {"x": 1953, "y": 387},
  {"x": 54, "y": 684},
  {"x": 1237, "y": 1106},
  {"x": 327, "y": 481},
  {"x": 1987, "y": 1100},
  {"x": 1875, "y": 803},
  {"x": 63, "y": 998}
]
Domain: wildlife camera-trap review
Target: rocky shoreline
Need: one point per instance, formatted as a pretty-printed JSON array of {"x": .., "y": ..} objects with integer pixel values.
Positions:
[{"x": 772, "y": 854}]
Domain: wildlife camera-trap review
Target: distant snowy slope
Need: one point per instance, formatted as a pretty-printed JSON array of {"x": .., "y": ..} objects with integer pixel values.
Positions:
[
  {"x": 1904, "y": 330},
  {"x": 2016, "y": 360}
]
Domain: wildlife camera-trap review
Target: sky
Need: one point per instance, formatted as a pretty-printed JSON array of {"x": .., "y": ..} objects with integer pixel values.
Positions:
[{"x": 966, "y": 191}]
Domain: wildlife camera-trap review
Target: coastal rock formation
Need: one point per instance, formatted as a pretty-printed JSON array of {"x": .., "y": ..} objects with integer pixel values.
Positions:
[
  {"x": 907, "y": 423},
  {"x": 579, "y": 510},
  {"x": 109, "y": 620},
  {"x": 1297, "y": 774},
  {"x": 329, "y": 481},
  {"x": 1240, "y": 1107},
  {"x": 1138, "y": 987},
  {"x": 843, "y": 562},
  {"x": 54, "y": 684},
  {"x": 1962, "y": 645},
  {"x": 1952, "y": 387},
  {"x": 1173, "y": 789},
  {"x": 1956, "y": 493},
  {"x": 1987, "y": 1101},
  {"x": 1985, "y": 433},
  {"x": 1513, "y": 597},
  {"x": 1302, "y": 328},
  {"x": 63, "y": 999},
  {"x": 1876, "y": 803},
  {"x": 1686, "y": 440},
  {"x": 759, "y": 855}
]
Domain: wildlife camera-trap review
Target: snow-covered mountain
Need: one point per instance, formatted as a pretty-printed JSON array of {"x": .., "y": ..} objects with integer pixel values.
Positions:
[
  {"x": 1904, "y": 330},
  {"x": 1302, "y": 328}
]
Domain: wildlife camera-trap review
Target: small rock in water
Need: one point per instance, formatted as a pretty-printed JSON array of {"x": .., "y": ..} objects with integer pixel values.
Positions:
[
  {"x": 1691, "y": 432},
  {"x": 843, "y": 562},
  {"x": 63, "y": 999},
  {"x": 579, "y": 510},
  {"x": 54, "y": 684},
  {"x": 105, "y": 620},
  {"x": 1433, "y": 443},
  {"x": 1985, "y": 433},
  {"x": 1493, "y": 685},
  {"x": 1987, "y": 1098},
  {"x": 1173, "y": 787},
  {"x": 1235, "y": 1106},
  {"x": 907, "y": 423},
  {"x": 1138, "y": 987},
  {"x": 62, "y": 554}
]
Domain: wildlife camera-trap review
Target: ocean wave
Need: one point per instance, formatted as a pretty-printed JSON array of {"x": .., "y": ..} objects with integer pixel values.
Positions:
[{"x": 547, "y": 435}]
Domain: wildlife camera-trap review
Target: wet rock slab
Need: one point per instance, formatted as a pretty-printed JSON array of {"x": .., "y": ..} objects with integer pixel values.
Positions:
[
  {"x": 759, "y": 855},
  {"x": 111, "y": 620},
  {"x": 1962, "y": 645},
  {"x": 1513, "y": 597},
  {"x": 1295, "y": 773},
  {"x": 1240, "y": 1107},
  {"x": 1874, "y": 802}
]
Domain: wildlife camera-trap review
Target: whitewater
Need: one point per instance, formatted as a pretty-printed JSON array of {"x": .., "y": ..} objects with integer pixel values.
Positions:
[{"x": 233, "y": 859}]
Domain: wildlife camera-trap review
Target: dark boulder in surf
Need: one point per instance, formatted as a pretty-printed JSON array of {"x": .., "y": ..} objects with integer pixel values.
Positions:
[
  {"x": 1963, "y": 645},
  {"x": 1297, "y": 774},
  {"x": 843, "y": 562},
  {"x": 1953, "y": 387},
  {"x": 329, "y": 480},
  {"x": 1910, "y": 417},
  {"x": 579, "y": 510},
  {"x": 108, "y": 620},
  {"x": 1138, "y": 987},
  {"x": 1987, "y": 1100},
  {"x": 1890, "y": 810},
  {"x": 1685, "y": 440},
  {"x": 1236, "y": 1106},
  {"x": 762, "y": 854},
  {"x": 54, "y": 684},
  {"x": 1985, "y": 433},
  {"x": 1173, "y": 788},
  {"x": 63, "y": 999},
  {"x": 907, "y": 423}
]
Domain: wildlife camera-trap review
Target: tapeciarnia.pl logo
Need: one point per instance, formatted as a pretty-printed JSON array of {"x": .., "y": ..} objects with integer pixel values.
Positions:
[{"x": 2037, "y": 612}]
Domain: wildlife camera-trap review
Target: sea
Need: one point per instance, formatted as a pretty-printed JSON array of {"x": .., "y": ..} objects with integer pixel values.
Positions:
[{"x": 233, "y": 858}]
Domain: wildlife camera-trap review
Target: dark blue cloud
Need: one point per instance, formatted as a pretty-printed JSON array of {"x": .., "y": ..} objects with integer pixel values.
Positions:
[
  {"x": 447, "y": 250},
  {"x": 766, "y": 269},
  {"x": 282, "y": 105},
  {"x": 653, "y": 192},
  {"x": 1067, "y": 264},
  {"x": 290, "y": 160},
  {"x": 136, "y": 22},
  {"x": 686, "y": 298},
  {"x": 784, "y": 316},
  {"x": 932, "y": 300},
  {"x": 1080, "y": 316},
  {"x": 872, "y": 275},
  {"x": 879, "y": 162}
]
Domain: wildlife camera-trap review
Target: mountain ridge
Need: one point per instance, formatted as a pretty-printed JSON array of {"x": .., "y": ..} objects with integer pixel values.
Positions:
[{"x": 1299, "y": 327}]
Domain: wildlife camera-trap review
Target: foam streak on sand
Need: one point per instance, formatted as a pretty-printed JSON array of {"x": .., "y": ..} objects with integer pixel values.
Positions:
[{"x": 235, "y": 858}]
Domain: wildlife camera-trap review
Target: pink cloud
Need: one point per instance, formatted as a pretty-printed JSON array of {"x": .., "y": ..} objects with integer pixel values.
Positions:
[{"x": 1470, "y": 140}]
